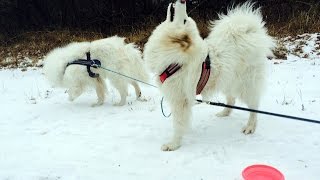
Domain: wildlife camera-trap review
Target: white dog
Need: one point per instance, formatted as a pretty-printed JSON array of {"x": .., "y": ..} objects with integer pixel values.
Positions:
[
  {"x": 237, "y": 46},
  {"x": 113, "y": 54}
]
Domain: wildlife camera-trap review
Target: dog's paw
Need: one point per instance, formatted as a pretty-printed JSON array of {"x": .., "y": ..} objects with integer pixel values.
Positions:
[
  {"x": 197, "y": 103},
  {"x": 222, "y": 114},
  {"x": 120, "y": 104},
  {"x": 249, "y": 129},
  {"x": 70, "y": 98},
  {"x": 170, "y": 146},
  {"x": 142, "y": 99},
  {"x": 97, "y": 104}
]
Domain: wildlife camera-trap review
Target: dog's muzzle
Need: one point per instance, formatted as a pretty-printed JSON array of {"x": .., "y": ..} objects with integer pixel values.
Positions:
[{"x": 172, "y": 11}]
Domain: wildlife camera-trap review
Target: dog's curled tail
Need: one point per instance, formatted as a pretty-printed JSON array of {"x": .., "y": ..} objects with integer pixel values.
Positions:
[
  {"x": 55, "y": 62},
  {"x": 243, "y": 29}
]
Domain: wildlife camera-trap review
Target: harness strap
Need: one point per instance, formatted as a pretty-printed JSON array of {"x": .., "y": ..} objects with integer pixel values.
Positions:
[
  {"x": 169, "y": 71},
  {"x": 205, "y": 74},
  {"x": 95, "y": 63}
]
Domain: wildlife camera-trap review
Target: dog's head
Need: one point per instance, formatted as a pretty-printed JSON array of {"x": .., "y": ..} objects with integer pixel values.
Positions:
[
  {"x": 177, "y": 37},
  {"x": 177, "y": 12},
  {"x": 178, "y": 17},
  {"x": 182, "y": 27}
]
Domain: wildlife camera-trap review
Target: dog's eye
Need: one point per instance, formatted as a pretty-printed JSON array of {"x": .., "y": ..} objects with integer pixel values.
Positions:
[{"x": 184, "y": 22}]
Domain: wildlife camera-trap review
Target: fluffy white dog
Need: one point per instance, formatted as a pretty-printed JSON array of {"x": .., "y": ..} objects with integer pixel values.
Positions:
[
  {"x": 113, "y": 54},
  {"x": 237, "y": 46}
]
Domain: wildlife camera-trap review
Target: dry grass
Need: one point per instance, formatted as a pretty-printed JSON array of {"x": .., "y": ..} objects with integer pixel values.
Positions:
[
  {"x": 281, "y": 51},
  {"x": 34, "y": 45},
  {"x": 305, "y": 46},
  {"x": 302, "y": 22},
  {"x": 27, "y": 48}
]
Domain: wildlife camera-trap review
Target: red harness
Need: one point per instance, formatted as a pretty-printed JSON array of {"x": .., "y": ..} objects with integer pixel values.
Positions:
[
  {"x": 205, "y": 74},
  {"x": 169, "y": 71}
]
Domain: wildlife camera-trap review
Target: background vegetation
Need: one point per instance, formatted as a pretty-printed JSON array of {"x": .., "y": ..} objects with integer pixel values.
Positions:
[{"x": 30, "y": 28}]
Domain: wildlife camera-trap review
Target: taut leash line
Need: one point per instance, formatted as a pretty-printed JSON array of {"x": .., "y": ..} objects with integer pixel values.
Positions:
[
  {"x": 98, "y": 65},
  {"x": 128, "y": 77},
  {"x": 258, "y": 111}
]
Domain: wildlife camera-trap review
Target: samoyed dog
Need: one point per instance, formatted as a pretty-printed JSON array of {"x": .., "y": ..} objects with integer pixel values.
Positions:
[
  {"x": 112, "y": 52},
  {"x": 233, "y": 54}
]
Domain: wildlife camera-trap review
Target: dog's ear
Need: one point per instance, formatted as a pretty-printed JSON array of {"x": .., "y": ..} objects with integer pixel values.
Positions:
[
  {"x": 172, "y": 12},
  {"x": 183, "y": 40},
  {"x": 169, "y": 12}
]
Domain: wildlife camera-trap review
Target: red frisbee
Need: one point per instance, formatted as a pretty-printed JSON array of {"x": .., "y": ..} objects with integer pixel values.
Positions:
[{"x": 261, "y": 172}]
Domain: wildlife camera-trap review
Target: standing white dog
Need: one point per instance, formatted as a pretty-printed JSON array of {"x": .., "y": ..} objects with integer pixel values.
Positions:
[
  {"x": 112, "y": 52},
  {"x": 237, "y": 45}
]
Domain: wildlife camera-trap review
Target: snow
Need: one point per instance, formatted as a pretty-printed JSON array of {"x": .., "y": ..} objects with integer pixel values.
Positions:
[
  {"x": 43, "y": 136},
  {"x": 305, "y": 46}
]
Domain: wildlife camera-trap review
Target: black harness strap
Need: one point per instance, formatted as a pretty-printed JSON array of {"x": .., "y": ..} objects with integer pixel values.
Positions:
[{"x": 95, "y": 63}]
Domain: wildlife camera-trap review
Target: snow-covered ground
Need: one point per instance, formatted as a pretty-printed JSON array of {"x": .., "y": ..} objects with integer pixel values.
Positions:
[{"x": 43, "y": 136}]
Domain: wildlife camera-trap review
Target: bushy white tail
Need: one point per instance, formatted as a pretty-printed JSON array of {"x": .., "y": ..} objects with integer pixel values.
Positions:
[
  {"x": 242, "y": 30},
  {"x": 56, "y": 61}
]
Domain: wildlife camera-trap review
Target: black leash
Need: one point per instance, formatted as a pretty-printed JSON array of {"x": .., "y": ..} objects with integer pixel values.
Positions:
[
  {"x": 97, "y": 64},
  {"x": 161, "y": 103},
  {"x": 258, "y": 111}
]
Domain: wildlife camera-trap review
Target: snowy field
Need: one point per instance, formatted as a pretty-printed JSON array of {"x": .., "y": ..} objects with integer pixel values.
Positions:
[{"x": 43, "y": 136}]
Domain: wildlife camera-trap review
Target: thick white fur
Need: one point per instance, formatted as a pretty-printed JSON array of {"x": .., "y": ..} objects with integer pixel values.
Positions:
[
  {"x": 113, "y": 53},
  {"x": 179, "y": 90},
  {"x": 238, "y": 45}
]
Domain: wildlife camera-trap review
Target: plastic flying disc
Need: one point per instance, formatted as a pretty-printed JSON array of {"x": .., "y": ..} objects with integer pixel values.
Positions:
[{"x": 261, "y": 172}]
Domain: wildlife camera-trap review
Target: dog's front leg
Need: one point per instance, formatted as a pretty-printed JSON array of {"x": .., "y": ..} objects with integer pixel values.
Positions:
[
  {"x": 252, "y": 122},
  {"x": 181, "y": 112}
]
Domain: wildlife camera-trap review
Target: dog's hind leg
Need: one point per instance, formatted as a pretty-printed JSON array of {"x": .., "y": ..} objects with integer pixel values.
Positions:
[
  {"x": 74, "y": 92},
  {"x": 100, "y": 90},
  {"x": 136, "y": 88},
  {"x": 138, "y": 91},
  {"x": 181, "y": 112},
  {"x": 226, "y": 111},
  {"x": 122, "y": 87}
]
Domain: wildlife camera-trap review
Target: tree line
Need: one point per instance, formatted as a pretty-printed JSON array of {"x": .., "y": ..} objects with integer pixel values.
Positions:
[{"x": 103, "y": 15}]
